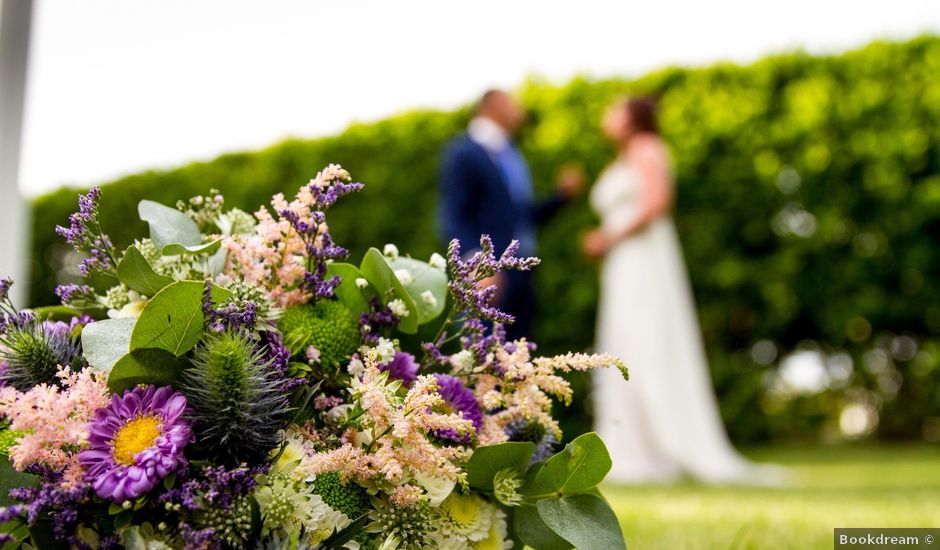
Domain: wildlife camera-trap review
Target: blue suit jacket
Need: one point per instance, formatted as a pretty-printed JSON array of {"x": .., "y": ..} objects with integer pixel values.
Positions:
[{"x": 475, "y": 198}]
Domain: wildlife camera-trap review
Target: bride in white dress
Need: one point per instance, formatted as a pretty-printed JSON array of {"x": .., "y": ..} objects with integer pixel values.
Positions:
[{"x": 664, "y": 422}]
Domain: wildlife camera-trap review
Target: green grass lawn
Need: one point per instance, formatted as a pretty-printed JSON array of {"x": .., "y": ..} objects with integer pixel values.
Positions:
[{"x": 847, "y": 486}]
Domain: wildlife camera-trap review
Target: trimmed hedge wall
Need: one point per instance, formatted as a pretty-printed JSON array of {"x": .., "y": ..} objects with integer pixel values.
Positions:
[{"x": 808, "y": 204}]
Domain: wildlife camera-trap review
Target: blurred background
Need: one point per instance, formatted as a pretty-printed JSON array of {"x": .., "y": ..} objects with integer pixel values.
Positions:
[{"x": 806, "y": 135}]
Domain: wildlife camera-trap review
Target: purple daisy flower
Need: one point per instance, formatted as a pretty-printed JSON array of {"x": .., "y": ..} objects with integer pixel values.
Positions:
[
  {"x": 459, "y": 398},
  {"x": 403, "y": 367},
  {"x": 136, "y": 441}
]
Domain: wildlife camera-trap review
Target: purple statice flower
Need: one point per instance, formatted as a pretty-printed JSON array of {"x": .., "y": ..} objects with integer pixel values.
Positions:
[
  {"x": 458, "y": 397},
  {"x": 71, "y": 293},
  {"x": 271, "y": 346},
  {"x": 465, "y": 274},
  {"x": 480, "y": 343},
  {"x": 230, "y": 315},
  {"x": 402, "y": 367},
  {"x": 82, "y": 320},
  {"x": 51, "y": 499},
  {"x": 5, "y": 284},
  {"x": 216, "y": 486},
  {"x": 329, "y": 186},
  {"x": 136, "y": 441},
  {"x": 85, "y": 235},
  {"x": 378, "y": 318}
]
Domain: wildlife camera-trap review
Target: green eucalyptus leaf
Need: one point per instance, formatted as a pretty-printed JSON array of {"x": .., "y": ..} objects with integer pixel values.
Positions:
[
  {"x": 104, "y": 343},
  {"x": 168, "y": 225},
  {"x": 173, "y": 320},
  {"x": 527, "y": 524},
  {"x": 348, "y": 292},
  {"x": 178, "y": 249},
  {"x": 56, "y": 313},
  {"x": 425, "y": 279},
  {"x": 11, "y": 479},
  {"x": 578, "y": 468},
  {"x": 42, "y": 537},
  {"x": 486, "y": 461},
  {"x": 584, "y": 520},
  {"x": 136, "y": 272},
  {"x": 145, "y": 366},
  {"x": 382, "y": 277}
]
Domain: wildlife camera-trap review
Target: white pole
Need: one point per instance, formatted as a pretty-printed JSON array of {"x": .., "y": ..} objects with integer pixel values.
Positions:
[{"x": 15, "y": 19}]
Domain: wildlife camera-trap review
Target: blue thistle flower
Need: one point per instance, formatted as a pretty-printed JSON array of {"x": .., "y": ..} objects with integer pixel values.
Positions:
[{"x": 236, "y": 400}]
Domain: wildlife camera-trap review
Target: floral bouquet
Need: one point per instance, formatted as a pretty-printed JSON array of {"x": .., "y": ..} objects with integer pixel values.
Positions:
[{"x": 239, "y": 386}]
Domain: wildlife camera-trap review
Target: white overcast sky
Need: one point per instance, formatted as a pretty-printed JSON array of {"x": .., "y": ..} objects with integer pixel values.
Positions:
[{"x": 116, "y": 86}]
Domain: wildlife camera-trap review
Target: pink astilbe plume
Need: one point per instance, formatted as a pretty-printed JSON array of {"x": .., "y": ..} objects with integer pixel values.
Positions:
[
  {"x": 524, "y": 387},
  {"x": 55, "y": 420},
  {"x": 394, "y": 443}
]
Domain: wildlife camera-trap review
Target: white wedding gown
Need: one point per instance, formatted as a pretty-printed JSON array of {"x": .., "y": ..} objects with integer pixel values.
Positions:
[{"x": 664, "y": 421}]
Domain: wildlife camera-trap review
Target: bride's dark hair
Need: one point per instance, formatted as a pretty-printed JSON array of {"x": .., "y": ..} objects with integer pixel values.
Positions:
[{"x": 643, "y": 110}]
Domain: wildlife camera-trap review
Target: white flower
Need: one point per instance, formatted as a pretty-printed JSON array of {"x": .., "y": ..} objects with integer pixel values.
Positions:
[
  {"x": 399, "y": 308},
  {"x": 355, "y": 368},
  {"x": 361, "y": 282},
  {"x": 391, "y": 251},
  {"x": 437, "y": 489},
  {"x": 292, "y": 454},
  {"x": 462, "y": 361},
  {"x": 437, "y": 261},
  {"x": 404, "y": 276},
  {"x": 463, "y": 519},
  {"x": 428, "y": 298},
  {"x": 339, "y": 412},
  {"x": 132, "y": 309},
  {"x": 384, "y": 351}
]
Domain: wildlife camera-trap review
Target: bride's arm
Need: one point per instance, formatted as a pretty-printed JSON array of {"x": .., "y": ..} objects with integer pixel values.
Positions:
[{"x": 648, "y": 156}]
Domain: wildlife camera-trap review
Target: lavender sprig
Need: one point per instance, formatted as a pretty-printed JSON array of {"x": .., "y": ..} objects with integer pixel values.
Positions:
[
  {"x": 328, "y": 187},
  {"x": 85, "y": 235},
  {"x": 471, "y": 300}
]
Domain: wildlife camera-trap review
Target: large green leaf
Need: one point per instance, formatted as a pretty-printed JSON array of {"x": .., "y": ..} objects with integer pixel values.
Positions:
[
  {"x": 348, "y": 292},
  {"x": 424, "y": 279},
  {"x": 529, "y": 527},
  {"x": 11, "y": 479},
  {"x": 383, "y": 278},
  {"x": 145, "y": 366},
  {"x": 105, "y": 342},
  {"x": 584, "y": 520},
  {"x": 487, "y": 461},
  {"x": 136, "y": 272},
  {"x": 169, "y": 225},
  {"x": 173, "y": 320},
  {"x": 578, "y": 468}
]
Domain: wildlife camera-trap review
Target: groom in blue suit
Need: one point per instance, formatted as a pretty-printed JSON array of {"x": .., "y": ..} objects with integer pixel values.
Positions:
[{"x": 486, "y": 187}]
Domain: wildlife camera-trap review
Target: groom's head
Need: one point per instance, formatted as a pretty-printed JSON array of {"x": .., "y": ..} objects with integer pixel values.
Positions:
[{"x": 501, "y": 108}]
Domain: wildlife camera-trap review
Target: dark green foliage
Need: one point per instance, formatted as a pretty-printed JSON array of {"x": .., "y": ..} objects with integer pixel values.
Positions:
[
  {"x": 853, "y": 139},
  {"x": 327, "y": 325},
  {"x": 235, "y": 401},
  {"x": 349, "y": 498}
]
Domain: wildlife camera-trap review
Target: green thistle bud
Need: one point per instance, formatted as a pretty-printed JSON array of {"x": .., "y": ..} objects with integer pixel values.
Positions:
[
  {"x": 327, "y": 325},
  {"x": 236, "y": 402},
  {"x": 117, "y": 297},
  {"x": 232, "y": 526},
  {"x": 350, "y": 499},
  {"x": 407, "y": 526},
  {"x": 506, "y": 484}
]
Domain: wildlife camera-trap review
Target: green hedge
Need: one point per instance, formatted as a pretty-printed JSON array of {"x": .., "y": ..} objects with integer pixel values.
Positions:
[{"x": 808, "y": 205}]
